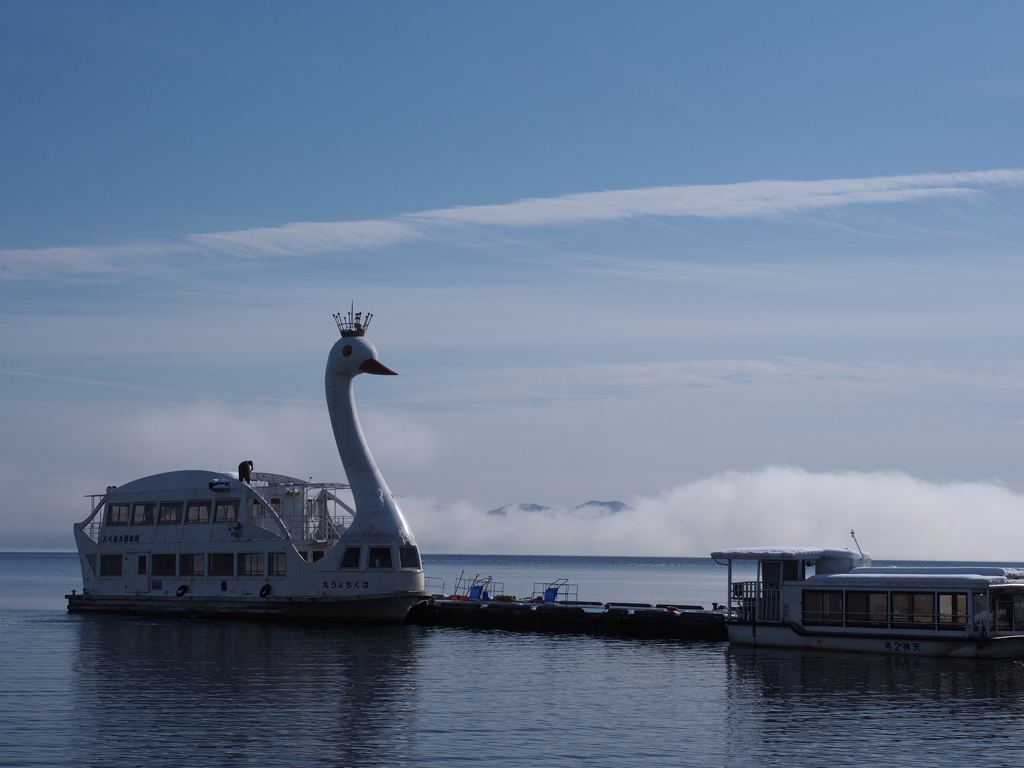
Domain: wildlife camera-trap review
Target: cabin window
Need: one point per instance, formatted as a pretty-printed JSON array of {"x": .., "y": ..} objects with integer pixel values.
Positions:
[
  {"x": 191, "y": 565},
  {"x": 409, "y": 557},
  {"x": 276, "y": 563},
  {"x": 258, "y": 513},
  {"x": 117, "y": 514},
  {"x": 911, "y": 610},
  {"x": 198, "y": 512},
  {"x": 304, "y": 555},
  {"x": 163, "y": 565},
  {"x": 318, "y": 555},
  {"x": 110, "y": 565},
  {"x": 142, "y": 565},
  {"x": 222, "y": 564},
  {"x": 351, "y": 557},
  {"x": 380, "y": 557},
  {"x": 227, "y": 512},
  {"x": 275, "y": 504},
  {"x": 953, "y": 610},
  {"x": 145, "y": 514},
  {"x": 867, "y": 609},
  {"x": 250, "y": 564},
  {"x": 170, "y": 512},
  {"x": 822, "y": 607}
]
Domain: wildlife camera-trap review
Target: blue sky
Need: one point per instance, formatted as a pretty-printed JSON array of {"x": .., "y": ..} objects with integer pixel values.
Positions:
[{"x": 758, "y": 265}]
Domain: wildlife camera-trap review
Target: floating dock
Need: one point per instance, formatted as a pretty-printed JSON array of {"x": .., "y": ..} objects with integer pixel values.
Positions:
[{"x": 632, "y": 620}]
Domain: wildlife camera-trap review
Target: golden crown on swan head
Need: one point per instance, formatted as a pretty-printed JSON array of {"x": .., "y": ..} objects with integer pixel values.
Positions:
[{"x": 354, "y": 323}]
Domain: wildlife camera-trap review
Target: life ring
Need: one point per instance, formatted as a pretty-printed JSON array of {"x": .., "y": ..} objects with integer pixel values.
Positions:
[
  {"x": 182, "y": 590},
  {"x": 265, "y": 590}
]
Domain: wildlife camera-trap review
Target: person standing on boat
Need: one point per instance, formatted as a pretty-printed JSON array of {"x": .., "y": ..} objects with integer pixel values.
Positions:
[{"x": 243, "y": 471}]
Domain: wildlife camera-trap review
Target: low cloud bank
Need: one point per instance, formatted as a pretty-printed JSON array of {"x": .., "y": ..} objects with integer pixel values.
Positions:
[{"x": 896, "y": 516}]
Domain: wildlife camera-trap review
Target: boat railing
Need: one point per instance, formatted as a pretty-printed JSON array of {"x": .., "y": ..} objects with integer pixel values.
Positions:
[
  {"x": 92, "y": 530},
  {"x": 558, "y": 591},
  {"x": 753, "y": 602},
  {"x": 320, "y": 515},
  {"x": 434, "y": 585}
]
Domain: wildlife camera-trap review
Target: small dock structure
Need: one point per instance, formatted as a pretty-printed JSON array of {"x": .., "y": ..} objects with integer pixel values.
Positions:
[{"x": 553, "y": 608}]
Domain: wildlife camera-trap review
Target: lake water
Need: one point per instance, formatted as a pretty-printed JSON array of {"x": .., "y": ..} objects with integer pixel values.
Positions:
[{"x": 111, "y": 691}]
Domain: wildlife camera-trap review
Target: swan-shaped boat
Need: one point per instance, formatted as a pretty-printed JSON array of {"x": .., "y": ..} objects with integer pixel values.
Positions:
[{"x": 206, "y": 543}]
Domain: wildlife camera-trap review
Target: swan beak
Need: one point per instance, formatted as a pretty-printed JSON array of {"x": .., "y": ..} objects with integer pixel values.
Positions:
[{"x": 376, "y": 366}]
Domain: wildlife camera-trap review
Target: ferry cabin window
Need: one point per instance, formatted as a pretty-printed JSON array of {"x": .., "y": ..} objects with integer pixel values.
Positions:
[
  {"x": 142, "y": 565},
  {"x": 170, "y": 513},
  {"x": 912, "y": 610},
  {"x": 163, "y": 565},
  {"x": 110, "y": 565},
  {"x": 409, "y": 557},
  {"x": 275, "y": 504},
  {"x": 825, "y": 608},
  {"x": 318, "y": 555},
  {"x": 191, "y": 565},
  {"x": 953, "y": 610},
  {"x": 257, "y": 511},
  {"x": 222, "y": 564},
  {"x": 117, "y": 514},
  {"x": 351, "y": 557},
  {"x": 198, "y": 512},
  {"x": 250, "y": 564},
  {"x": 276, "y": 563},
  {"x": 867, "y": 609},
  {"x": 145, "y": 514},
  {"x": 227, "y": 512},
  {"x": 380, "y": 557}
]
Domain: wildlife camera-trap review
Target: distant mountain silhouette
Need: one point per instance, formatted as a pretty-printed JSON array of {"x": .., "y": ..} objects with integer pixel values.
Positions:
[
  {"x": 592, "y": 508},
  {"x": 602, "y": 507},
  {"x": 518, "y": 508}
]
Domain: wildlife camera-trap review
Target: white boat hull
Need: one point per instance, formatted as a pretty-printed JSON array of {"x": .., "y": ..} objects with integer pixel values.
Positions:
[
  {"x": 382, "y": 609},
  {"x": 893, "y": 643}
]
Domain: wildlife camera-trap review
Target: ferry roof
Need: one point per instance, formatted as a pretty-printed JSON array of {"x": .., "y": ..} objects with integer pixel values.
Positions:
[
  {"x": 786, "y": 553},
  {"x": 910, "y": 579},
  {"x": 191, "y": 479}
]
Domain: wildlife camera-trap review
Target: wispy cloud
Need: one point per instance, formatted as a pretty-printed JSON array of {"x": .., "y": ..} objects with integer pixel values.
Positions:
[{"x": 754, "y": 199}]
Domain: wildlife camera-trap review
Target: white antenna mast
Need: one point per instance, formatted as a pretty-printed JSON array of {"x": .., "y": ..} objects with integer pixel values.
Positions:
[{"x": 854, "y": 535}]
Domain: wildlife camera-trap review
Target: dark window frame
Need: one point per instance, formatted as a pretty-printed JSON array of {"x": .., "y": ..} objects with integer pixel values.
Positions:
[
  {"x": 379, "y": 558},
  {"x": 277, "y": 564},
  {"x": 166, "y": 507},
  {"x": 119, "y": 519},
  {"x": 823, "y": 610},
  {"x": 111, "y": 565},
  {"x": 351, "y": 557},
  {"x": 247, "y": 561},
  {"x": 409, "y": 557},
  {"x": 232, "y": 504},
  {"x": 193, "y": 558},
  {"x": 201, "y": 504},
  {"x": 216, "y": 564},
  {"x": 160, "y": 565},
  {"x": 148, "y": 515}
]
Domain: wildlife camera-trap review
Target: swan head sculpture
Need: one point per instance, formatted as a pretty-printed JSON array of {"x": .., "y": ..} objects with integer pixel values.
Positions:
[{"x": 378, "y": 518}]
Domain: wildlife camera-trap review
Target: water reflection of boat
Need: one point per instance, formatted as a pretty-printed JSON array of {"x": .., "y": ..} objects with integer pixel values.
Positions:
[
  {"x": 270, "y": 546},
  {"x": 846, "y": 604}
]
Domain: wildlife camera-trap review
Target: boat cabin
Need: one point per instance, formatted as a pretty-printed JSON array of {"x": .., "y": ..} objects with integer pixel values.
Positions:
[{"x": 829, "y": 591}]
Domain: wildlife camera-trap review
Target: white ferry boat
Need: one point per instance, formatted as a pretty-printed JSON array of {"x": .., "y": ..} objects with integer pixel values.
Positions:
[
  {"x": 198, "y": 543},
  {"x": 835, "y": 600}
]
